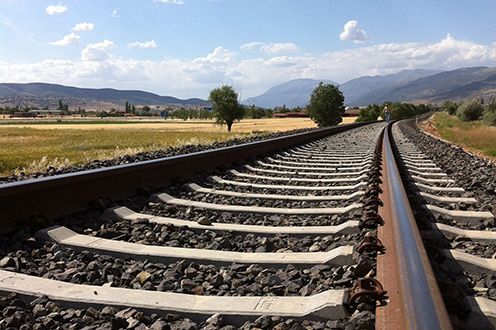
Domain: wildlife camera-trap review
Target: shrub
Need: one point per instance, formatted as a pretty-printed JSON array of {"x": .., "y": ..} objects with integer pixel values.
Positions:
[
  {"x": 489, "y": 115},
  {"x": 470, "y": 110},
  {"x": 370, "y": 113},
  {"x": 450, "y": 107}
]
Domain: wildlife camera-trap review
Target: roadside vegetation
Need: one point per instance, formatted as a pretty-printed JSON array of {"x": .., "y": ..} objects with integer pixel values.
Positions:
[
  {"x": 475, "y": 135},
  {"x": 31, "y": 150},
  {"x": 473, "y": 110},
  {"x": 398, "y": 111}
]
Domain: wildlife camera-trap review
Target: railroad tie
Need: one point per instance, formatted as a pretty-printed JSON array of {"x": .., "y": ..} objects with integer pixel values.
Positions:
[{"x": 339, "y": 256}]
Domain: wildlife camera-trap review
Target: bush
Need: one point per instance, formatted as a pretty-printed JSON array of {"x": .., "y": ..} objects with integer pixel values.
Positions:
[
  {"x": 470, "y": 110},
  {"x": 489, "y": 115},
  {"x": 370, "y": 113},
  {"x": 450, "y": 107}
]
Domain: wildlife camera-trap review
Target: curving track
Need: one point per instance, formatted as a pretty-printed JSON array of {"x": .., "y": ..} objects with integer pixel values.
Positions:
[{"x": 284, "y": 234}]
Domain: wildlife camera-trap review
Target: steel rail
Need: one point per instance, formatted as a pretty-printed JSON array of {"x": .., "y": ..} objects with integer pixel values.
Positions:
[
  {"x": 54, "y": 196},
  {"x": 415, "y": 301}
]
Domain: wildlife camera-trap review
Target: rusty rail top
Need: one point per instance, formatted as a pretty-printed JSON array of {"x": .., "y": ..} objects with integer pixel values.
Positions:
[
  {"x": 67, "y": 193},
  {"x": 418, "y": 304}
]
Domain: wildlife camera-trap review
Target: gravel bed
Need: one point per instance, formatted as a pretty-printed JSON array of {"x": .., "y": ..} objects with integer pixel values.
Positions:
[
  {"x": 438, "y": 193},
  {"x": 483, "y": 250},
  {"x": 474, "y": 224},
  {"x": 56, "y": 262},
  {"x": 42, "y": 314},
  {"x": 332, "y": 168},
  {"x": 229, "y": 176},
  {"x": 277, "y": 203},
  {"x": 472, "y": 173},
  {"x": 172, "y": 151},
  {"x": 454, "y": 282},
  {"x": 143, "y": 232},
  {"x": 276, "y": 191},
  {"x": 317, "y": 159},
  {"x": 449, "y": 206},
  {"x": 187, "y": 213},
  {"x": 483, "y": 285},
  {"x": 285, "y": 175}
]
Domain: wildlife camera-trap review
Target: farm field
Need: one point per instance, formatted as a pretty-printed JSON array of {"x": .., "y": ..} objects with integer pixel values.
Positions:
[
  {"x": 244, "y": 126},
  {"x": 473, "y": 136},
  {"x": 33, "y": 146}
]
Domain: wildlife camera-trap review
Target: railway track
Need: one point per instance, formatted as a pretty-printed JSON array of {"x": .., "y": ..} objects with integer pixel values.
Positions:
[{"x": 310, "y": 231}]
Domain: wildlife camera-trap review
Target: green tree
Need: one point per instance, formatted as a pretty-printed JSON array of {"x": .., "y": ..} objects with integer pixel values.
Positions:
[
  {"x": 450, "y": 107},
  {"x": 225, "y": 106},
  {"x": 489, "y": 115},
  {"x": 470, "y": 110},
  {"x": 370, "y": 113},
  {"x": 326, "y": 106}
]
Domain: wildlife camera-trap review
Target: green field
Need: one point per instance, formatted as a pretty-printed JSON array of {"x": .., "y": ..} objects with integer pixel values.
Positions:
[
  {"x": 474, "y": 136},
  {"x": 31, "y": 150}
]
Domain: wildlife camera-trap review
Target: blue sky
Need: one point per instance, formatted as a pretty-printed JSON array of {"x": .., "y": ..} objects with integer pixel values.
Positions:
[{"x": 187, "y": 47}]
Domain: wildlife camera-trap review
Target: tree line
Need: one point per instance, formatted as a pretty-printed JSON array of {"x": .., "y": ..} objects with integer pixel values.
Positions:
[
  {"x": 398, "y": 111},
  {"x": 473, "y": 109}
]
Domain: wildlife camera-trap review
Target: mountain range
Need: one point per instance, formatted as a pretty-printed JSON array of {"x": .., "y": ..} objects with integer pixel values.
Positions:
[
  {"x": 42, "y": 90},
  {"x": 406, "y": 86},
  {"x": 428, "y": 86},
  {"x": 294, "y": 93}
]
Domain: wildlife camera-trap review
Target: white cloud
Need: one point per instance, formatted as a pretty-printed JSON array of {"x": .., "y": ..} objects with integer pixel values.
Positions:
[
  {"x": 80, "y": 27},
  {"x": 251, "y": 46},
  {"x": 280, "y": 48},
  {"x": 144, "y": 44},
  {"x": 353, "y": 32},
  {"x": 70, "y": 39},
  {"x": 272, "y": 48},
  {"x": 115, "y": 13},
  {"x": 196, "y": 77},
  {"x": 174, "y": 2},
  {"x": 55, "y": 9},
  {"x": 97, "y": 51}
]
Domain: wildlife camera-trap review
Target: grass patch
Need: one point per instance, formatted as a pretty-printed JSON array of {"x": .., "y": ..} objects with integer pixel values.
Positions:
[
  {"x": 32, "y": 150},
  {"x": 473, "y": 135},
  {"x": 31, "y": 146}
]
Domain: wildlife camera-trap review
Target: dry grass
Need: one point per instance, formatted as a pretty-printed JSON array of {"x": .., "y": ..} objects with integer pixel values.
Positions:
[
  {"x": 244, "y": 126},
  {"x": 31, "y": 150},
  {"x": 33, "y": 147},
  {"x": 474, "y": 136}
]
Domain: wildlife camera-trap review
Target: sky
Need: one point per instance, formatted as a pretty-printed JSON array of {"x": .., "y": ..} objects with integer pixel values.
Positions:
[{"x": 185, "y": 48}]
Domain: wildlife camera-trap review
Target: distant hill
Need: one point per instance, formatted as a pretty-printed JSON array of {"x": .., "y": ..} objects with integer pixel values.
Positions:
[
  {"x": 457, "y": 84},
  {"x": 294, "y": 93},
  {"x": 368, "y": 89},
  {"x": 42, "y": 90},
  {"x": 405, "y": 86}
]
